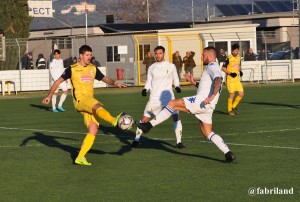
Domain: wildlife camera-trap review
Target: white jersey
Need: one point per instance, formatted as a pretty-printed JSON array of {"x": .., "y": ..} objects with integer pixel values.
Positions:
[
  {"x": 160, "y": 79},
  {"x": 206, "y": 85},
  {"x": 56, "y": 68}
]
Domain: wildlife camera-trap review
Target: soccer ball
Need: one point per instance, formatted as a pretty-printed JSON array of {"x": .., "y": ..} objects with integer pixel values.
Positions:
[{"x": 125, "y": 122}]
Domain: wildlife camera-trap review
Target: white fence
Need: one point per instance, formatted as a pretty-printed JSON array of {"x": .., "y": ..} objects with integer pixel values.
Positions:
[
  {"x": 36, "y": 80},
  {"x": 271, "y": 70}
]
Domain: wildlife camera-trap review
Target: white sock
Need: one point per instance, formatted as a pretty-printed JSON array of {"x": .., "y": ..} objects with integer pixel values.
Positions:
[
  {"x": 162, "y": 116},
  {"x": 178, "y": 130},
  {"x": 62, "y": 99},
  {"x": 54, "y": 101},
  {"x": 218, "y": 141},
  {"x": 138, "y": 133}
]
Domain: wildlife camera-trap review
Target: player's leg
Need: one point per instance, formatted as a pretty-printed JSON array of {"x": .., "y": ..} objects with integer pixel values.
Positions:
[
  {"x": 178, "y": 130},
  {"x": 53, "y": 100},
  {"x": 176, "y": 104},
  {"x": 102, "y": 113},
  {"x": 237, "y": 100},
  {"x": 231, "y": 91},
  {"x": 139, "y": 132},
  {"x": 92, "y": 125},
  {"x": 63, "y": 97},
  {"x": 207, "y": 131}
]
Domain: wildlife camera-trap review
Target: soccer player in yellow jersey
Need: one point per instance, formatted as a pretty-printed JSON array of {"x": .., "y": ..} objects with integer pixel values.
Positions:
[
  {"x": 232, "y": 67},
  {"x": 82, "y": 77}
]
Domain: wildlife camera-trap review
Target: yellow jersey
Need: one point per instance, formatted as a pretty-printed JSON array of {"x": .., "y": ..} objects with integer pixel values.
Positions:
[
  {"x": 82, "y": 80},
  {"x": 233, "y": 64}
]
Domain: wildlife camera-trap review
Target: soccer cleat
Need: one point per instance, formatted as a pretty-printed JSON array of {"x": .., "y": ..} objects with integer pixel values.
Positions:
[
  {"x": 60, "y": 108},
  {"x": 82, "y": 161},
  {"x": 54, "y": 110},
  {"x": 180, "y": 146},
  {"x": 145, "y": 127},
  {"x": 235, "y": 111},
  {"x": 115, "y": 123},
  {"x": 229, "y": 157},
  {"x": 231, "y": 113},
  {"x": 135, "y": 144}
]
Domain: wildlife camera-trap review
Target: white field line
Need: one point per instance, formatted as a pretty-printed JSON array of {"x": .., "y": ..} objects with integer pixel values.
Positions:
[{"x": 191, "y": 138}]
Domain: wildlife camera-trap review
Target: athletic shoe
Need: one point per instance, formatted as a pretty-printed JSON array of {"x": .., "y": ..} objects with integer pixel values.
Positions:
[
  {"x": 60, "y": 108},
  {"x": 82, "y": 161},
  {"x": 180, "y": 146},
  {"x": 231, "y": 113},
  {"x": 54, "y": 110},
  {"x": 235, "y": 111},
  {"x": 135, "y": 144},
  {"x": 145, "y": 127},
  {"x": 115, "y": 123},
  {"x": 229, "y": 157}
]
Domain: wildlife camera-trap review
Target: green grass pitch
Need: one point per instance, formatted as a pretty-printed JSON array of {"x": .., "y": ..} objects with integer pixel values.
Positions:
[{"x": 38, "y": 147}]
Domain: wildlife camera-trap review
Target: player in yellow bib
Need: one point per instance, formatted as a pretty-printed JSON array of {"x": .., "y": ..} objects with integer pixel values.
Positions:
[
  {"x": 82, "y": 76},
  {"x": 232, "y": 67}
]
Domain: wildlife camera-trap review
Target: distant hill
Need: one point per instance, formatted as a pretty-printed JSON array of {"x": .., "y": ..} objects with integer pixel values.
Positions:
[{"x": 171, "y": 11}]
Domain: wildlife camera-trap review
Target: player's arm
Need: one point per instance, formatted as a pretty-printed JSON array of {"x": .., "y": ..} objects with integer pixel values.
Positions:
[
  {"x": 217, "y": 86},
  {"x": 55, "y": 85},
  {"x": 176, "y": 79},
  {"x": 224, "y": 69},
  {"x": 106, "y": 79},
  {"x": 112, "y": 82}
]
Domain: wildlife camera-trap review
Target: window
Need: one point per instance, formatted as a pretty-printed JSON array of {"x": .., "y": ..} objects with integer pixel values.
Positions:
[
  {"x": 219, "y": 45},
  {"x": 62, "y": 43},
  {"x": 112, "y": 54},
  {"x": 143, "y": 49}
]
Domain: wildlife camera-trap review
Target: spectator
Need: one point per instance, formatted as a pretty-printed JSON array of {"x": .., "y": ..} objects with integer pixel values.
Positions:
[
  {"x": 177, "y": 61},
  {"x": 296, "y": 53},
  {"x": 148, "y": 60},
  {"x": 1, "y": 33},
  {"x": 95, "y": 62},
  {"x": 189, "y": 62},
  {"x": 74, "y": 60},
  {"x": 27, "y": 61},
  {"x": 262, "y": 55},
  {"x": 222, "y": 56},
  {"x": 250, "y": 56},
  {"x": 41, "y": 62}
]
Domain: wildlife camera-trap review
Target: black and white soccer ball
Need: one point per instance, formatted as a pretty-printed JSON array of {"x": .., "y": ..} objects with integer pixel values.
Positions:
[{"x": 125, "y": 122}]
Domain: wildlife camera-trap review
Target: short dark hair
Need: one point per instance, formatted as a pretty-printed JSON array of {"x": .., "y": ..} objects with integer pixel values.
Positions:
[
  {"x": 211, "y": 48},
  {"x": 159, "y": 48},
  {"x": 85, "y": 48},
  {"x": 56, "y": 51},
  {"x": 235, "y": 46}
]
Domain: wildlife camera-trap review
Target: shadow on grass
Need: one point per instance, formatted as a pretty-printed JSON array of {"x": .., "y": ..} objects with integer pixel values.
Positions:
[
  {"x": 275, "y": 104},
  {"x": 51, "y": 141},
  {"x": 44, "y": 107},
  {"x": 146, "y": 143}
]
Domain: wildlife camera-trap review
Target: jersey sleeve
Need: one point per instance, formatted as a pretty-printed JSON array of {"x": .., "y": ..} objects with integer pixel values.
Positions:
[
  {"x": 226, "y": 63},
  {"x": 149, "y": 78},
  {"x": 175, "y": 76},
  {"x": 214, "y": 71},
  {"x": 67, "y": 73},
  {"x": 99, "y": 76}
]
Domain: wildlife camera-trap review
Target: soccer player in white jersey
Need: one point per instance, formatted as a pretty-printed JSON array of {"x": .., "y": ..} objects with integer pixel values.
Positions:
[
  {"x": 160, "y": 77},
  {"x": 201, "y": 105},
  {"x": 56, "y": 70}
]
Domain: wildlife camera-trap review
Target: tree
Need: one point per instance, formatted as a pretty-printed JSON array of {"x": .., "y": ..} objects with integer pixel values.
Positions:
[
  {"x": 135, "y": 11},
  {"x": 15, "y": 21}
]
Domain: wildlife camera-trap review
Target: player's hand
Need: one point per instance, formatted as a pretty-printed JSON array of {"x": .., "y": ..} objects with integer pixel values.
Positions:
[
  {"x": 120, "y": 85},
  {"x": 241, "y": 74},
  {"x": 232, "y": 74},
  {"x": 178, "y": 90},
  {"x": 144, "y": 92},
  {"x": 46, "y": 100}
]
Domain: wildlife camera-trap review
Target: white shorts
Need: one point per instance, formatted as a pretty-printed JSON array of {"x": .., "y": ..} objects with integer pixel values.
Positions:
[
  {"x": 197, "y": 107},
  {"x": 154, "y": 107},
  {"x": 63, "y": 86}
]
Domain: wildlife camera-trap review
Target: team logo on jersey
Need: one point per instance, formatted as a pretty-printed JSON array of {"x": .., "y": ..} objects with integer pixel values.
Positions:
[
  {"x": 91, "y": 72},
  {"x": 86, "y": 78},
  {"x": 191, "y": 99}
]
